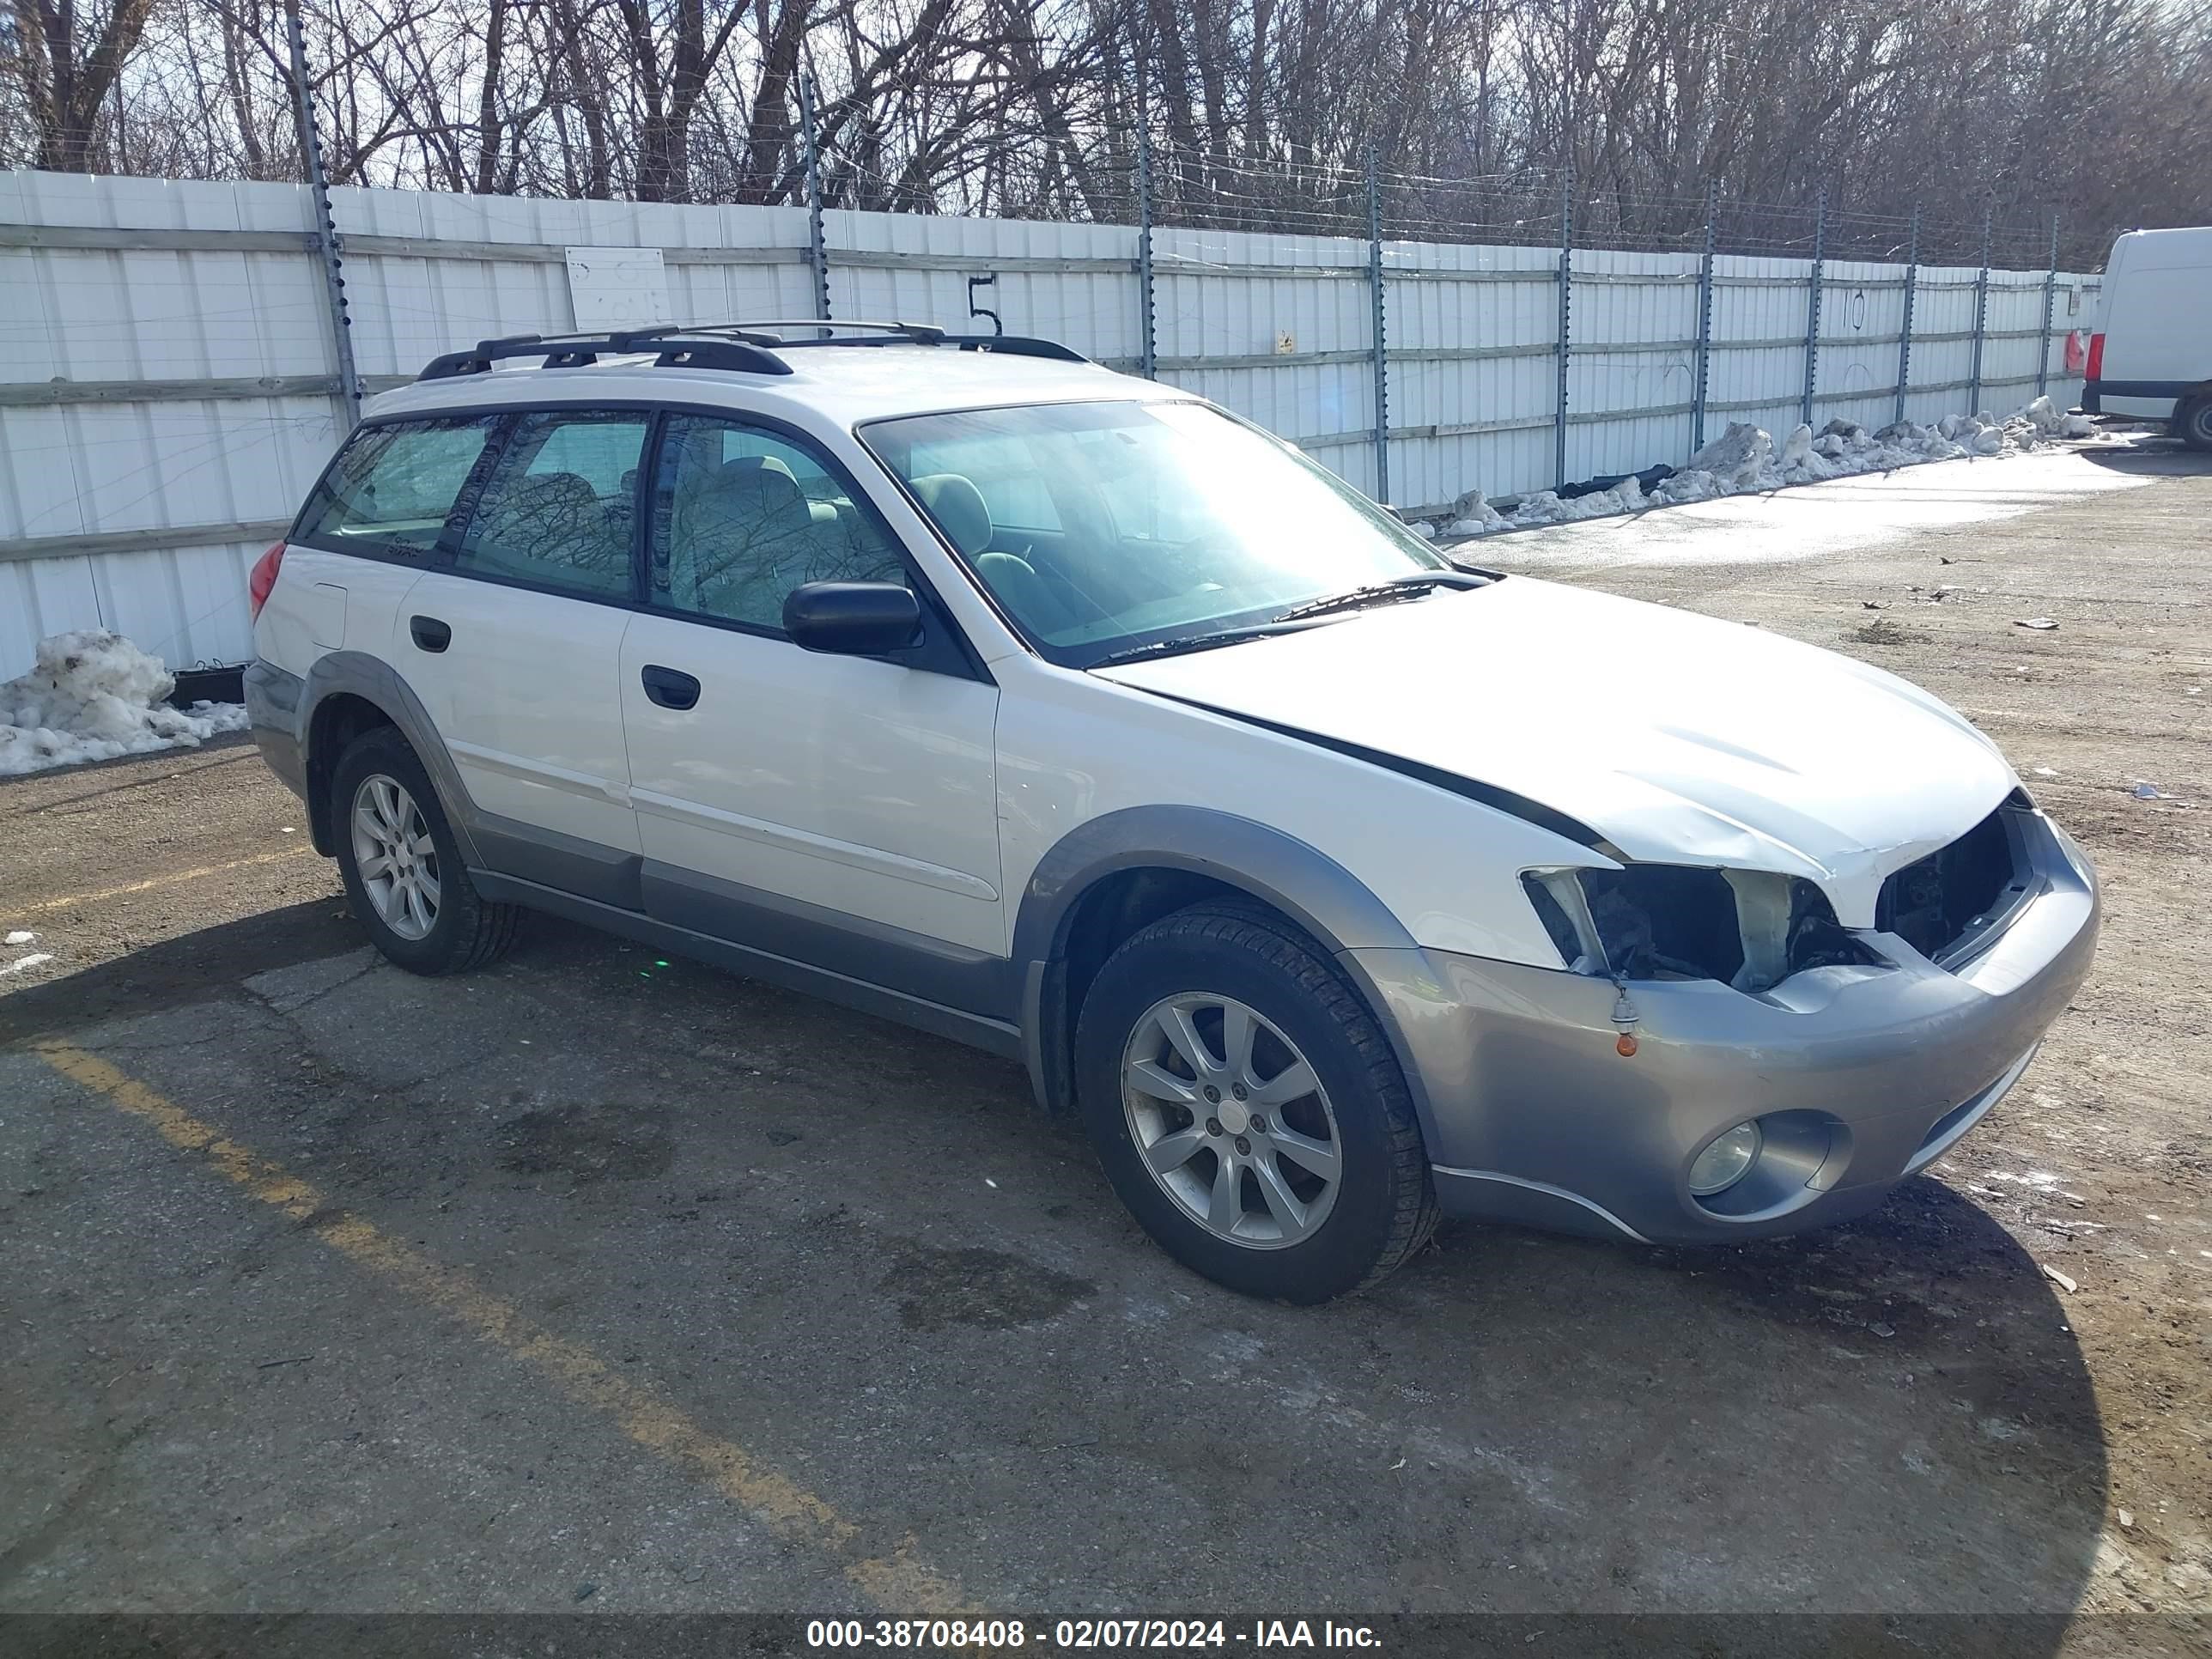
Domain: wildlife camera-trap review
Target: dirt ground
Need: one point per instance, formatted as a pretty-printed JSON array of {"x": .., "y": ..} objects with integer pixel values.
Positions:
[{"x": 609, "y": 1282}]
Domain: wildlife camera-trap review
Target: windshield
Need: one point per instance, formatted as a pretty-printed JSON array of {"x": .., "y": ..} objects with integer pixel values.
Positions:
[{"x": 1101, "y": 527}]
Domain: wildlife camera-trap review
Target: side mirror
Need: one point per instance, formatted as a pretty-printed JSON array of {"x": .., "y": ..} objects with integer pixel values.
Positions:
[{"x": 853, "y": 619}]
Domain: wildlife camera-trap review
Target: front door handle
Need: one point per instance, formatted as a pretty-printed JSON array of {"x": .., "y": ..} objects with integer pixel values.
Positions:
[
  {"x": 430, "y": 633},
  {"x": 668, "y": 687}
]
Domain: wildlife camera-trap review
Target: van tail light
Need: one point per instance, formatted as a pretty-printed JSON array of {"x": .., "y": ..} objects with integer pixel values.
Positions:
[
  {"x": 263, "y": 578},
  {"x": 2096, "y": 371}
]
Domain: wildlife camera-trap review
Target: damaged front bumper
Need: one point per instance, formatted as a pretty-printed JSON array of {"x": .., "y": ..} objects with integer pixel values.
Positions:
[{"x": 1860, "y": 1075}]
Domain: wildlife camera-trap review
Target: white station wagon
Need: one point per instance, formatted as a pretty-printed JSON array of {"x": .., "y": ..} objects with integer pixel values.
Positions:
[{"x": 1337, "y": 886}]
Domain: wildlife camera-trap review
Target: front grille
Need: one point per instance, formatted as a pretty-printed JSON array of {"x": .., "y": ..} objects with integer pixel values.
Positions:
[{"x": 1958, "y": 894}]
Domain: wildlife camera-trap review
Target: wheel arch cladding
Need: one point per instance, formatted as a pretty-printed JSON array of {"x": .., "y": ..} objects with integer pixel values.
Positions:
[
  {"x": 1108, "y": 878},
  {"x": 350, "y": 692}
]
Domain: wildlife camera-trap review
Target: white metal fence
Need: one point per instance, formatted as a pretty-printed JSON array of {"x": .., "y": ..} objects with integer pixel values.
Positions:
[{"x": 168, "y": 387}]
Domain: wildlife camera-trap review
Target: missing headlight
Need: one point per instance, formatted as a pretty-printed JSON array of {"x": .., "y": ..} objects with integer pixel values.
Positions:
[
  {"x": 1748, "y": 929},
  {"x": 1659, "y": 920}
]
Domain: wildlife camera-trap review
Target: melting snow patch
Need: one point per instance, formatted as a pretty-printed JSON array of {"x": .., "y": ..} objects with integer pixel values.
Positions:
[
  {"x": 21, "y": 962},
  {"x": 93, "y": 696},
  {"x": 1746, "y": 459},
  {"x": 21, "y": 936}
]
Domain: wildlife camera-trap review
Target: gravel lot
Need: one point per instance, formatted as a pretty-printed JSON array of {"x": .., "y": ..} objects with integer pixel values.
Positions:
[{"x": 605, "y": 1280}]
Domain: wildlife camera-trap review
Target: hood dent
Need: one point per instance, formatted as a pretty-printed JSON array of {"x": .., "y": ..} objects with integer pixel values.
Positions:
[{"x": 1725, "y": 747}]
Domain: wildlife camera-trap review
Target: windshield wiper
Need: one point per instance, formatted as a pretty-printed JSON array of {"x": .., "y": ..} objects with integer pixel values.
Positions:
[
  {"x": 1176, "y": 648},
  {"x": 1404, "y": 587}
]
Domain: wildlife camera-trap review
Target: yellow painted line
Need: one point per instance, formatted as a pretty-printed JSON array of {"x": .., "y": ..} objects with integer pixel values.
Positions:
[
  {"x": 898, "y": 1583},
  {"x": 151, "y": 882}
]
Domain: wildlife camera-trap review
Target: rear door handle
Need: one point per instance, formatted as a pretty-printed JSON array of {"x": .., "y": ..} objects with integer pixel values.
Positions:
[
  {"x": 669, "y": 687},
  {"x": 430, "y": 633}
]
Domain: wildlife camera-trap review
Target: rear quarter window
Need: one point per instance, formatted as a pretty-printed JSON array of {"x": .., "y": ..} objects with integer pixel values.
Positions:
[{"x": 393, "y": 486}]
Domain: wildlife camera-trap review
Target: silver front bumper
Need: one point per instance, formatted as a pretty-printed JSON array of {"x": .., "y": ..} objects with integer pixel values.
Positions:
[{"x": 1868, "y": 1074}]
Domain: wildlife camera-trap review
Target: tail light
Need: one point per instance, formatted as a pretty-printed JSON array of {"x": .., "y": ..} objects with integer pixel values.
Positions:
[
  {"x": 2096, "y": 357},
  {"x": 263, "y": 577}
]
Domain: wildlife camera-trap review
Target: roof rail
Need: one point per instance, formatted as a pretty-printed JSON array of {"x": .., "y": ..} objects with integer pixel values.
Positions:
[
  {"x": 892, "y": 333},
  {"x": 909, "y": 333},
  {"x": 675, "y": 346},
  {"x": 747, "y": 347},
  {"x": 1010, "y": 345}
]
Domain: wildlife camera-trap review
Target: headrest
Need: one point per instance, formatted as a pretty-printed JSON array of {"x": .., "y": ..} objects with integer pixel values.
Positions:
[
  {"x": 757, "y": 491},
  {"x": 761, "y": 464},
  {"x": 958, "y": 508},
  {"x": 544, "y": 500}
]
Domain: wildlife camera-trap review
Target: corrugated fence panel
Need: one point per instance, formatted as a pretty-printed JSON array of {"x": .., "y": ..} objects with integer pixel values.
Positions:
[
  {"x": 185, "y": 604},
  {"x": 2072, "y": 313},
  {"x": 1759, "y": 308},
  {"x": 111, "y": 314},
  {"x": 169, "y": 299},
  {"x": 1633, "y": 373},
  {"x": 50, "y": 596},
  {"x": 2015, "y": 327},
  {"x": 1499, "y": 302},
  {"x": 1862, "y": 323},
  {"x": 1942, "y": 343},
  {"x": 1049, "y": 280},
  {"x": 1238, "y": 294},
  {"x": 130, "y": 315}
]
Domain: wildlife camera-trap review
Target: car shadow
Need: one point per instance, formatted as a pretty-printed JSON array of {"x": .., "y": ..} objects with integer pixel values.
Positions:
[
  {"x": 190, "y": 967},
  {"x": 1905, "y": 1391},
  {"x": 2150, "y": 456}
]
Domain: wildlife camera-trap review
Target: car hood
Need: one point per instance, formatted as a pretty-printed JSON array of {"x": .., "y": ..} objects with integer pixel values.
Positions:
[{"x": 1678, "y": 738}]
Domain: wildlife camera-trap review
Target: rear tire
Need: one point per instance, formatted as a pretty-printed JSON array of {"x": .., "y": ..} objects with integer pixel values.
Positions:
[
  {"x": 1285, "y": 1160},
  {"x": 402, "y": 863},
  {"x": 2192, "y": 423}
]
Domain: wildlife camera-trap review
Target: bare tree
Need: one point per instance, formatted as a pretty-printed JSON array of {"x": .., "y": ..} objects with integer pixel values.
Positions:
[
  {"x": 1259, "y": 112},
  {"x": 67, "y": 65}
]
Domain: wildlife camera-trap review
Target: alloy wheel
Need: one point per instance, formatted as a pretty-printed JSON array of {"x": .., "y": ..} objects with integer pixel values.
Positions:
[
  {"x": 396, "y": 859},
  {"x": 1231, "y": 1120}
]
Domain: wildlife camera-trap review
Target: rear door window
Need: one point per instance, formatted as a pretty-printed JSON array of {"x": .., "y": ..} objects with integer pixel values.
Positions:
[
  {"x": 556, "y": 509},
  {"x": 392, "y": 488}
]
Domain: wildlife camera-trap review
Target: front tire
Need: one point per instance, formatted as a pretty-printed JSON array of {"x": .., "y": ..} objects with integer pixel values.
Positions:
[
  {"x": 402, "y": 863},
  {"x": 1249, "y": 1111},
  {"x": 2192, "y": 423}
]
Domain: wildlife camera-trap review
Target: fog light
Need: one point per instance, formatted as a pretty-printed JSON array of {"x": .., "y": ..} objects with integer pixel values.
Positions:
[{"x": 1723, "y": 1164}]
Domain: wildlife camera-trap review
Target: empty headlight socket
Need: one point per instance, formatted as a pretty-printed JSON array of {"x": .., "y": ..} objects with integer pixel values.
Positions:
[{"x": 1747, "y": 929}]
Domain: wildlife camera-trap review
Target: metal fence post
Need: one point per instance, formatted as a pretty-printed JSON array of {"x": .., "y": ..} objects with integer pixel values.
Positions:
[
  {"x": 817, "y": 249},
  {"x": 1813, "y": 303},
  {"x": 1382, "y": 346},
  {"x": 1705, "y": 325},
  {"x": 1148, "y": 352},
  {"x": 328, "y": 251},
  {"x": 1911, "y": 293},
  {"x": 2050, "y": 304},
  {"x": 1566, "y": 280},
  {"x": 1981, "y": 310}
]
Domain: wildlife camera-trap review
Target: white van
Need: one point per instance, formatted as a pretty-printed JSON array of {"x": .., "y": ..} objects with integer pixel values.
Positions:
[{"x": 2153, "y": 359}]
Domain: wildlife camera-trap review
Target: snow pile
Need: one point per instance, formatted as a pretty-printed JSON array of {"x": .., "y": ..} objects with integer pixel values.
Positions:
[
  {"x": 1746, "y": 459},
  {"x": 93, "y": 696}
]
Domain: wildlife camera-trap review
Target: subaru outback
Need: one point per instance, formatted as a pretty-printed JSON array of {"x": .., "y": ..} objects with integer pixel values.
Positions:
[{"x": 1335, "y": 885}]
